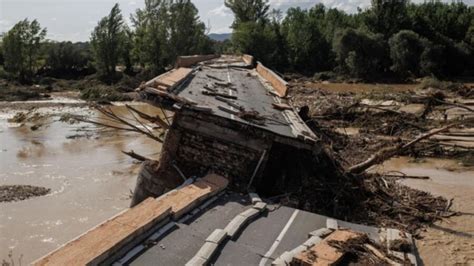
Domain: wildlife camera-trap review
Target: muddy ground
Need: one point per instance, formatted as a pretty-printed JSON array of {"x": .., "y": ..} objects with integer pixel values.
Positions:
[
  {"x": 89, "y": 88},
  {"x": 357, "y": 120}
]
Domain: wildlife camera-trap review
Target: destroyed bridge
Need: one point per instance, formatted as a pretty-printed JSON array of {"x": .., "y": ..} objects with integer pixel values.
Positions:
[{"x": 234, "y": 142}]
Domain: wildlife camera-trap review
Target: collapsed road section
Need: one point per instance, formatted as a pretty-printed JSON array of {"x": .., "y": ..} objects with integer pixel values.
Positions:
[
  {"x": 231, "y": 118},
  {"x": 233, "y": 133}
]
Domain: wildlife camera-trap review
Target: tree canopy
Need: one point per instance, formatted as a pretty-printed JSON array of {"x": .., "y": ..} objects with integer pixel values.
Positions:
[
  {"x": 107, "y": 41},
  {"x": 390, "y": 39},
  {"x": 21, "y": 48},
  {"x": 394, "y": 39}
]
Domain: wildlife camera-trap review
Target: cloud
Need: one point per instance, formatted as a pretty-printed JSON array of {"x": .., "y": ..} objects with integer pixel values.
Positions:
[{"x": 221, "y": 10}]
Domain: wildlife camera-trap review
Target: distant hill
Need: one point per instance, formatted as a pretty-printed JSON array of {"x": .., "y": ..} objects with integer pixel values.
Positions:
[{"x": 220, "y": 36}]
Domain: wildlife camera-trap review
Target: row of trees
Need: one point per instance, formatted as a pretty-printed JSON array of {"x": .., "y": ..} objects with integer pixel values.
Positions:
[
  {"x": 392, "y": 38},
  {"x": 160, "y": 32}
]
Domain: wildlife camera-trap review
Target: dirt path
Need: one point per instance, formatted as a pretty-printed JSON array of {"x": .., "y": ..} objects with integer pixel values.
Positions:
[{"x": 450, "y": 241}]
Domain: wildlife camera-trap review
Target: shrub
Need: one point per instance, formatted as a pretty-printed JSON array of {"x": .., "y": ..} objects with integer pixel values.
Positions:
[{"x": 103, "y": 93}]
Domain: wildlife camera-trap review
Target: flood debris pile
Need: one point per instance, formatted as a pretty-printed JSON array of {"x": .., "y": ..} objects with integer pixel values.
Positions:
[
  {"x": 358, "y": 123},
  {"x": 10, "y": 193},
  {"x": 367, "y": 128},
  {"x": 370, "y": 199}
]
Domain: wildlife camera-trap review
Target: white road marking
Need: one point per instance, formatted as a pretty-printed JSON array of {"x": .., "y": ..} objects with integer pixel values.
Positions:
[
  {"x": 278, "y": 239},
  {"x": 230, "y": 93}
]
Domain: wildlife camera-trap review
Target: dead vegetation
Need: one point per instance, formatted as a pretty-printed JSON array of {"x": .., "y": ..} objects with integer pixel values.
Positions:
[
  {"x": 385, "y": 128},
  {"x": 21, "y": 192}
]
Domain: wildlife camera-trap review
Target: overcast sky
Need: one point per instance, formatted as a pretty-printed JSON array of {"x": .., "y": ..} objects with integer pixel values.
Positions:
[{"x": 74, "y": 19}]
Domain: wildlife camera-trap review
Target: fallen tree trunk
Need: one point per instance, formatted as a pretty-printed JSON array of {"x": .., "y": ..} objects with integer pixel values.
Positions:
[
  {"x": 388, "y": 153},
  {"x": 136, "y": 156},
  {"x": 152, "y": 119}
]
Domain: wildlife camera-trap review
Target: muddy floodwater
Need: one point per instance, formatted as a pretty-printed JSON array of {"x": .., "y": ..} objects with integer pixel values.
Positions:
[
  {"x": 90, "y": 179},
  {"x": 450, "y": 241}
]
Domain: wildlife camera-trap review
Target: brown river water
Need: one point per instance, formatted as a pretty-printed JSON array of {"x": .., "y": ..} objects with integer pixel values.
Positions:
[
  {"x": 450, "y": 241},
  {"x": 90, "y": 179}
]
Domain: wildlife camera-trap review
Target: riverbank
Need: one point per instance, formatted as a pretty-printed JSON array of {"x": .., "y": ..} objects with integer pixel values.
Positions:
[{"x": 89, "y": 88}]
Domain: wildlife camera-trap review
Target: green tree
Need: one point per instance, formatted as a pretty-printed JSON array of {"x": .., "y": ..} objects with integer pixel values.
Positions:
[
  {"x": 360, "y": 54},
  {"x": 127, "y": 49},
  {"x": 248, "y": 10},
  {"x": 1, "y": 54},
  {"x": 387, "y": 17},
  {"x": 165, "y": 29},
  {"x": 151, "y": 35},
  {"x": 308, "y": 49},
  {"x": 470, "y": 35},
  {"x": 435, "y": 17},
  {"x": 431, "y": 60},
  {"x": 21, "y": 49},
  {"x": 406, "y": 48},
  {"x": 187, "y": 33},
  {"x": 257, "y": 39},
  {"x": 65, "y": 58},
  {"x": 107, "y": 42}
]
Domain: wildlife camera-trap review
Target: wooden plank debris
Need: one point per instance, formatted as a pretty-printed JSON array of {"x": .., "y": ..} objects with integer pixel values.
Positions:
[{"x": 323, "y": 253}]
